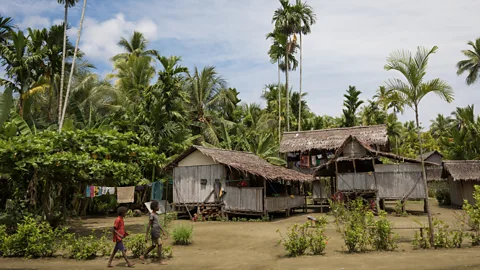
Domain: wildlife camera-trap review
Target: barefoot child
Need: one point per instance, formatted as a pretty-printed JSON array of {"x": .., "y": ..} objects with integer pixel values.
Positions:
[
  {"x": 155, "y": 229},
  {"x": 118, "y": 234}
]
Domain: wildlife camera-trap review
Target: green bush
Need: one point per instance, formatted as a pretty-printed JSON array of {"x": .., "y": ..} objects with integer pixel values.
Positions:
[
  {"x": 136, "y": 244},
  {"x": 32, "y": 239},
  {"x": 166, "y": 221},
  {"x": 443, "y": 196},
  {"x": 317, "y": 240},
  {"x": 443, "y": 236},
  {"x": 472, "y": 213},
  {"x": 182, "y": 234},
  {"x": 382, "y": 233},
  {"x": 86, "y": 247},
  {"x": 296, "y": 242}
]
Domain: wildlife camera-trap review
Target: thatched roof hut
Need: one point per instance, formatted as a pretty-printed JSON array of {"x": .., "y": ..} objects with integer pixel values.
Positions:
[
  {"x": 432, "y": 156},
  {"x": 245, "y": 162},
  {"x": 462, "y": 170},
  {"x": 330, "y": 139}
]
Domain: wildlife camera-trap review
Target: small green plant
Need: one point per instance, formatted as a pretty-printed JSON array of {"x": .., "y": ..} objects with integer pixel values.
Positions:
[
  {"x": 317, "y": 239},
  {"x": 382, "y": 233},
  {"x": 296, "y": 242},
  {"x": 472, "y": 212},
  {"x": 136, "y": 244},
  {"x": 444, "y": 237},
  {"x": 399, "y": 210},
  {"x": 443, "y": 196},
  {"x": 182, "y": 234}
]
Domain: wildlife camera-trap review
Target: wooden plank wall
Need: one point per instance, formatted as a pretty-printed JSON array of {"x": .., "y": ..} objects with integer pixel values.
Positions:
[
  {"x": 320, "y": 190},
  {"x": 355, "y": 181},
  {"x": 248, "y": 199},
  {"x": 187, "y": 187},
  {"x": 456, "y": 193},
  {"x": 394, "y": 181},
  {"x": 283, "y": 203}
]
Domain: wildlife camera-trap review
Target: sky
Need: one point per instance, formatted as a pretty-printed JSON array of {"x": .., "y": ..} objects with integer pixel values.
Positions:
[{"x": 348, "y": 45}]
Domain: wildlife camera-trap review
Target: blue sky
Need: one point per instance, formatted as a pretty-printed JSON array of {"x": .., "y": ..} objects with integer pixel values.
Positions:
[{"x": 348, "y": 45}]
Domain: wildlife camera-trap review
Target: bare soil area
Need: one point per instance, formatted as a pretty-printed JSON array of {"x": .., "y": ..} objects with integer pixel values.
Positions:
[{"x": 254, "y": 245}]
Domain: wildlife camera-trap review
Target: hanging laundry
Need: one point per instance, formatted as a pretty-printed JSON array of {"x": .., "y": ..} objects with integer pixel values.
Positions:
[
  {"x": 304, "y": 161},
  {"x": 125, "y": 194},
  {"x": 99, "y": 193},
  {"x": 157, "y": 191},
  {"x": 139, "y": 188},
  {"x": 92, "y": 191},
  {"x": 108, "y": 190},
  {"x": 87, "y": 192},
  {"x": 314, "y": 160}
]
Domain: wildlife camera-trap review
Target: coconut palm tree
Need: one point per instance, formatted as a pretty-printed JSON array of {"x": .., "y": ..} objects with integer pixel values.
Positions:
[
  {"x": 307, "y": 18},
  {"x": 286, "y": 21},
  {"x": 60, "y": 124},
  {"x": 137, "y": 45},
  {"x": 413, "y": 69},
  {"x": 440, "y": 126},
  {"x": 472, "y": 64},
  {"x": 67, "y": 4},
  {"x": 6, "y": 25}
]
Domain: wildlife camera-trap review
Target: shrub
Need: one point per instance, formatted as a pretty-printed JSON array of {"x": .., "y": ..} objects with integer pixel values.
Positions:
[
  {"x": 399, "y": 210},
  {"x": 443, "y": 237},
  {"x": 317, "y": 240},
  {"x": 473, "y": 214},
  {"x": 31, "y": 239},
  {"x": 443, "y": 196},
  {"x": 136, "y": 244},
  {"x": 182, "y": 234},
  {"x": 167, "y": 220},
  {"x": 86, "y": 247},
  {"x": 383, "y": 236},
  {"x": 296, "y": 242}
]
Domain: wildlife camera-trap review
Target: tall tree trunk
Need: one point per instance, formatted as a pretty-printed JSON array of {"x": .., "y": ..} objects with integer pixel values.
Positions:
[
  {"x": 424, "y": 176},
  {"x": 279, "y": 104},
  {"x": 300, "y": 99},
  {"x": 50, "y": 97},
  {"x": 20, "y": 104},
  {"x": 287, "y": 66},
  {"x": 62, "y": 76},
  {"x": 73, "y": 66}
]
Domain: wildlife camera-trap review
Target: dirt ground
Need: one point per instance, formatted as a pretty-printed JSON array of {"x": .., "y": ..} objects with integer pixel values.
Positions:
[{"x": 254, "y": 245}]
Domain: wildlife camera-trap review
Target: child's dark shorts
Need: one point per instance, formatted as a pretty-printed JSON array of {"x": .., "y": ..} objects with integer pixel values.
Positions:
[{"x": 119, "y": 246}]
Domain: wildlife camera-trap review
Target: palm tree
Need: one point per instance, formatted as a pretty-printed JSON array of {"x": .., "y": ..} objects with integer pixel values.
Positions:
[
  {"x": 394, "y": 128},
  {"x": 67, "y": 4},
  {"x": 307, "y": 18},
  {"x": 203, "y": 88},
  {"x": 414, "y": 68},
  {"x": 137, "y": 45},
  {"x": 286, "y": 21},
  {"x": 60, "y": 124},
  {"x": 19, "y": 65},
  {"x": 351, "y": 104},
  {"x": 440, "y": 126},
  {"x": 277, "y": 53},
  {"x": 6, "y": 26},
  {"x": 472, "y": 64}
]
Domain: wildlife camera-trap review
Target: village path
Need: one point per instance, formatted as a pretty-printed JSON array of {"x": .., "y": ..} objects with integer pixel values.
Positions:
[{"x": 254, "y": 245}]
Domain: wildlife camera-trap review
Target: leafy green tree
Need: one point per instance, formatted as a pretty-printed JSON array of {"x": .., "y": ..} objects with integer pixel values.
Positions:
[
  {"x": 440, "y": 126},
  {"x": 351, "y": 104},
  {"x": 371, "y": 114},
  {"x": 472, "y": 64},
  {"x": 6, "y": 26},
  {"x": 414, "y": 68}
]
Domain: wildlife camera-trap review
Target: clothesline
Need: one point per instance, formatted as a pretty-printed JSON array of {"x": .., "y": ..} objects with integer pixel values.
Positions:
[{"x": 125, "y": 194}]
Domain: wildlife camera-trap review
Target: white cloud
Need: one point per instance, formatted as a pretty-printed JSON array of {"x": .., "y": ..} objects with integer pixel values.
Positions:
[
  {"x": 34, "y": 22},
  {"x": 99, "y": 39}
]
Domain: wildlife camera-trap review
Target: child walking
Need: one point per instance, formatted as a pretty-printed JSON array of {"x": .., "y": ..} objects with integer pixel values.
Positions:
[
  {"x": 118, "y": 234},
  {"x": 155, "y": 229}
]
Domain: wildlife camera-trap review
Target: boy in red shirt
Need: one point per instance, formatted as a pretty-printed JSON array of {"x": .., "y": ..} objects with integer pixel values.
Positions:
[{"x": 118, "y": 234}]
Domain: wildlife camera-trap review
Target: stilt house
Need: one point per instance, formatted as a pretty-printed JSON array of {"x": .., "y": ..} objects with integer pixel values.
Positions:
[
  {"x": 462, "y": 176},
  {"x": 237, "y": 182}
]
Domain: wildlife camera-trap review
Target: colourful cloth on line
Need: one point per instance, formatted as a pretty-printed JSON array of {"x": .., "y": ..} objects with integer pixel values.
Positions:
[
  {"x": 87, "y": 192},
  {"x": 157, "y": 191},
  {"x": 99, "y": 191},
  {"x": 108, "y": 190},
  {"x": 125, "y": 194},
  {"x": 92, "y": 191}
]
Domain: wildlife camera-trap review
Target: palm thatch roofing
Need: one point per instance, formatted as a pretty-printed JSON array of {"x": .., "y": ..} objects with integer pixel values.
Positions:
[
  {"x": 245, "y": 162},
  {"x": 329, "y": 139},
  {"x": 466, "y": 170},
  {"x": 370, "y": 154}
]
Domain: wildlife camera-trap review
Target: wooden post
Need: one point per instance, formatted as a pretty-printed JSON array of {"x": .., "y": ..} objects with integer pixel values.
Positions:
[
  {"x": 354, "y": 167},
  {"x": 403, "y": 206},
  {"x": 425, "y": 210},
  {"x": 265, "y": 196}
]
